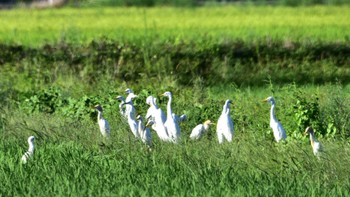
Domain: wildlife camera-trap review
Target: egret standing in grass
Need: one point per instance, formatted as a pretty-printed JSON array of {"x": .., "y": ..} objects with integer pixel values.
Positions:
[
  {"x": 102, "y": 123},
  {"x": 200, "y": 129},
  {"x": 130, "y": 107},
  {"x": 144, "y": 131},
  {"x": 27, "y": 155},
  {"x": 156, "y": 114},
  {"x": 171, "y": 124},
  {"x": 277, "y": 128},
  {"x": 122, "y": 111},
  {"x": 316, "y": 145},
  {"x": 133, "y": 124},
  {"x": 154, "y": 111},
  {"x": 225, "y": 127}
]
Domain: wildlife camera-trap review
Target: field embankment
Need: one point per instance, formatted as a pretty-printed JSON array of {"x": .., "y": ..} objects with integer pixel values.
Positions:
[{"x": 236, "y": 61}]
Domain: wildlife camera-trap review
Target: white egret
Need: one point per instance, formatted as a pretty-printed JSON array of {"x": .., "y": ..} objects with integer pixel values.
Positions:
[
  {"x": 144, "y": 131},
  {"x": 156, "y": 114},
  {"x": 102, "y": 123},
  {"x": 277, "y": 128},
  {"x": 154, "y": 111},
  {"x": 121, "y": 108},
  {"x": 200, "y": 129},
  {"x": 27, "y": 155},
  {"x": 171, "y": 124},
  {"x": 130, "y": 108},
  {"x": 316, "y": 145},
  {"x": 132, "y": 122},
  {"x": 225, "y": 127}
]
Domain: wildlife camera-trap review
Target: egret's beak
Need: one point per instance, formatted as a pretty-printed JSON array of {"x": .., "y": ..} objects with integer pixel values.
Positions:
[{"x": 265, "y": 100}]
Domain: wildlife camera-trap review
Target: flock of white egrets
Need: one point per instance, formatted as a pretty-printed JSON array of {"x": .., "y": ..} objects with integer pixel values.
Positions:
[{"x": 167, "y": 126}]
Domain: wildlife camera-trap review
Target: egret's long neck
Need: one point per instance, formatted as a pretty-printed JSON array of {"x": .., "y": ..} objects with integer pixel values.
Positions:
[
  {"x": 272, "y": 112},
  {"x": 226, "y": 108},
  {"x": 169, "y": 111},
  {"x": 312, "y": 137},
  {"x": 140, "y": 126},
  {"x": 128, "y": 99},
  {"x": 31, "y": 147},
  {"x": 153, "y": 104},
  {"x": 206, "y": 126},
  {"x": 99, "y": 115}
]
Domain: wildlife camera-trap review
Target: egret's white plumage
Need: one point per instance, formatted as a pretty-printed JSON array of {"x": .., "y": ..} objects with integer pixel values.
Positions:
[
  {"x": 154, "y": 111},
  {"x": 315, "y": 144},
  {"x": 171, "y": 124},
  {"x": 156, "y": 114},
  {"x": 122, "y": 111},
  {"x": 225, "y": 126},
  {"x": 278, "y": 131},
  {"x": 27, "y": 155},
  {"x": 130, "y": 109},
  {"x": 200, "y": 129},
  {"x": 144, "y": 131},
  {"x": 133, "y": 124},
  {"x": 102, "y": 123}
]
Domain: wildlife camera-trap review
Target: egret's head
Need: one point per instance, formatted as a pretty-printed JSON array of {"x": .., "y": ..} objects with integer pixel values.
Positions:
[
  {"x": 208, "y": 122},
  {"x": 31, "y": 139},
  {"x": 120, "y": 98},
  {"x": 168, "y": 94},
  {"x": 228, "y": 101},
  {"x": 98, "y": 108},
  {"x": 128, "y": 91},
  {"x": 309, "y": 130},
  {"x": 270, "y": 99}
]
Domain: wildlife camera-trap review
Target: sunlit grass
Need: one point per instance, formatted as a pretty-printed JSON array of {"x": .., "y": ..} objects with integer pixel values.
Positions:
[{"x": 72, "y": 158}]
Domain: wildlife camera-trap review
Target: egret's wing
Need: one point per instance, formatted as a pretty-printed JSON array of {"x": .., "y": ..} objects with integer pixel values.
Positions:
[
  {"x": 150, "y": 112},
  {"x": 281, "y": 132}
]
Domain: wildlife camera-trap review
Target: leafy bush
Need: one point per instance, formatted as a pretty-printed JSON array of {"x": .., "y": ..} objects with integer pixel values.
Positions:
[{"x": 46, "y": 101}]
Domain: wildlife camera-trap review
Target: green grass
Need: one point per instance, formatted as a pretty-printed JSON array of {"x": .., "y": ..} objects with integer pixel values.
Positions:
[
  {"x": 36, "y": 27},
  {"x": 72, "y": 158}
]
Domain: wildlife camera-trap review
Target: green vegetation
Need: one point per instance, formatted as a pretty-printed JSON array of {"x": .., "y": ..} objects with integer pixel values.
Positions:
[
  {"x": 56, "y": 64},
  {"x": 35, "y": 27},
  {"x": 72, "y": 158}
]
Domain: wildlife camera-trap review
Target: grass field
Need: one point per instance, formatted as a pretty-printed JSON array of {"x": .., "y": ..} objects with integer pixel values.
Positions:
[
  {"x": 72, "y": 158},
  {"x": 35, "y": 27},
  {"x": 49, "y": 92}
]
